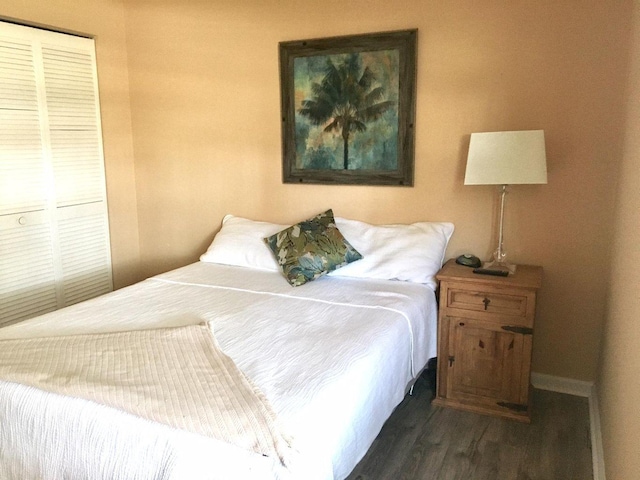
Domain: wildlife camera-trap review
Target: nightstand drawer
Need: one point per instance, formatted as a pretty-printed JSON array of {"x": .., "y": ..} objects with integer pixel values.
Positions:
[{"x": 487, "y": 301}]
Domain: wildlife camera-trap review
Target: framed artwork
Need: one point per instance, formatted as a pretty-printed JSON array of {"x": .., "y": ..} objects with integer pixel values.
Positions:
[{"x": 348, "y": 109}]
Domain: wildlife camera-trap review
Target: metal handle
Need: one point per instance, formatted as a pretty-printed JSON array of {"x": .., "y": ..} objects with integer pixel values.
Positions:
[
  {"x": 486, "y": 302},
  {"x": 516, "y": 329}
]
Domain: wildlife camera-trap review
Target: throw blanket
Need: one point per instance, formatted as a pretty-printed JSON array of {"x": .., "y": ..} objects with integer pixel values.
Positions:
[{"x": 175, "y": 376}]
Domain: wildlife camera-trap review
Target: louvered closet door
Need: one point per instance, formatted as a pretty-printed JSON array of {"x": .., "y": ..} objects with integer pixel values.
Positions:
[
  {"x": 78, "y": 169},
  {"x": 27, "y": 275},
  {"x": 54, "y": 236}
]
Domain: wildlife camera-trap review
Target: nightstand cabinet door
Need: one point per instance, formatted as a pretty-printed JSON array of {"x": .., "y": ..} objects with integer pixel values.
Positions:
[
  {"x": 485, "y": 336},
  {"x": 487, "y": 364}
]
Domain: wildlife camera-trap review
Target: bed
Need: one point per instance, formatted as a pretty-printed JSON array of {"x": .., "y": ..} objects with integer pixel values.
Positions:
[{"x": 328, "y": 362}]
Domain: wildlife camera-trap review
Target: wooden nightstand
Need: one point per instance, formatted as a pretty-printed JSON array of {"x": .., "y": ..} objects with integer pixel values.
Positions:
[{"x": 485, "y": 334}]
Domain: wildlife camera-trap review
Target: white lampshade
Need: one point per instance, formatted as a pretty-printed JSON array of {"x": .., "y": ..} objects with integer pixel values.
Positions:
[{"x": 506, "y": 158}]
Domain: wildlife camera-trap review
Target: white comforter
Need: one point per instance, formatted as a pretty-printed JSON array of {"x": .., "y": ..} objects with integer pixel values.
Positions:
[{"x": 333, "y": 358}]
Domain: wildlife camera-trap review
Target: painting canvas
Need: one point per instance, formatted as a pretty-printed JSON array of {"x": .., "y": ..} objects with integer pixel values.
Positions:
[{"x": 348, "y": 109}]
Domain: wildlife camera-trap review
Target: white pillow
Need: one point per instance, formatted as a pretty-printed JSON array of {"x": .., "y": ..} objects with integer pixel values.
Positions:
[
  {"x": 240, "y": 242},
  {"x": 411, "y": 253}
]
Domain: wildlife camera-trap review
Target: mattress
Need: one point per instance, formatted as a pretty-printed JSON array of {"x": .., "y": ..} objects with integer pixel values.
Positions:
[{"x": 333, "y": 358}]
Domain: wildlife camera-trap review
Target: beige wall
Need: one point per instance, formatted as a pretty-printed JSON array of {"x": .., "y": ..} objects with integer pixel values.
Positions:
[
  {"x": 205, "y": 108},
  {"x": 103, "y": 20},
  {"x": 618, "y": 380}
]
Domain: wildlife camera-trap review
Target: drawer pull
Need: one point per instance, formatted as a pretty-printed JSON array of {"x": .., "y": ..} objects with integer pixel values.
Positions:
[
  {"x": 486, "y": 302},
  {"x": 515, "y": 329}
]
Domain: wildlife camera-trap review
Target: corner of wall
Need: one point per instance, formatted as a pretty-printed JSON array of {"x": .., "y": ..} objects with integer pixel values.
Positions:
[{"x": 579, "y": 388}]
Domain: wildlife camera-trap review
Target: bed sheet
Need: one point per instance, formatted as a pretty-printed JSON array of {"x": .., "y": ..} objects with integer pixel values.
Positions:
[{"x": 333, "y": 357}]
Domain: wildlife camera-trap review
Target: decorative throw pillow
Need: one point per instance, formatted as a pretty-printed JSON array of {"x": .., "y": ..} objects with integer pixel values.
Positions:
[{"x": 310, "y": 249}]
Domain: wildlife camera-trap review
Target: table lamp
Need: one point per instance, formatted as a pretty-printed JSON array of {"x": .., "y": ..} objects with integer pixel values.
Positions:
[{"x": 505, "y": 158}]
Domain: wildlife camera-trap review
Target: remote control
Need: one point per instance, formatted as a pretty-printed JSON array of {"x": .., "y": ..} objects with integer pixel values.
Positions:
[{"x": 488, "y": 271}]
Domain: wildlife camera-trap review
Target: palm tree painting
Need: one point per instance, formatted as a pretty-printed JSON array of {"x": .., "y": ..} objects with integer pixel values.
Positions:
[{"x": 346, "y": 111}]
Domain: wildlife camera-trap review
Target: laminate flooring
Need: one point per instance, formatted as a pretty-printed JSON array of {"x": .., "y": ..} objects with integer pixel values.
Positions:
[{"x": 424, "y": 442}]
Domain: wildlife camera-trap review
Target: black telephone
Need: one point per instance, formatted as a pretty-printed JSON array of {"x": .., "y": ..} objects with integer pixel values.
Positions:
[{"x": 469, "y": 260}]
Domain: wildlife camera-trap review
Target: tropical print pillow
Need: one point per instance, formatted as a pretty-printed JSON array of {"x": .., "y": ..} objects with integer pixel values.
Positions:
[{"x": 310, "y": 249}]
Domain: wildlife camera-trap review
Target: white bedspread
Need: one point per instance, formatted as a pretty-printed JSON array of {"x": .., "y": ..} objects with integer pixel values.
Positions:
[
  {"x": 175, "y": 376},
  {"x": 333, "y": 358}
]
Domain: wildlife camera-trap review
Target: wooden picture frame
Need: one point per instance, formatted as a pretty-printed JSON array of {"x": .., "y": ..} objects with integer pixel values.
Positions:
[{"x": 348, "y": 109}]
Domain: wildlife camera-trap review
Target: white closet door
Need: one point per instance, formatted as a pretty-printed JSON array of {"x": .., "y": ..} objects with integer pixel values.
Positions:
[
  {"x": 78, "y": 168},
  {"x": 54, "y": 235}
]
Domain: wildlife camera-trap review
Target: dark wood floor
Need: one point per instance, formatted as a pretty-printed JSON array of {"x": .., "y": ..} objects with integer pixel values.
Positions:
[{"x": 421, "y": 442}]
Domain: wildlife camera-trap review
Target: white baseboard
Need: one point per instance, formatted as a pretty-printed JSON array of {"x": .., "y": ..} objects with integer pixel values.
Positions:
[
  {"x": 569, "y": 386},
  {"x": 579, "y": 388},
  {"x": 597, "y": 450}
]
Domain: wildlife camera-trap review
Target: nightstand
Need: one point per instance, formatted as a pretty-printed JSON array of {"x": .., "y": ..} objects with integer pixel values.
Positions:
[{"x": 485, "y": 334}]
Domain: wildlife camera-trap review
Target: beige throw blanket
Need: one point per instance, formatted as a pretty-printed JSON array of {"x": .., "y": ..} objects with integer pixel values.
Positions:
[{"x": 175, "y": 376}]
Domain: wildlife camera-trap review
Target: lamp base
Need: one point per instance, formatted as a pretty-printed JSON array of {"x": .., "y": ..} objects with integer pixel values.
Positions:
[{"x": 503, "y": 266}]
